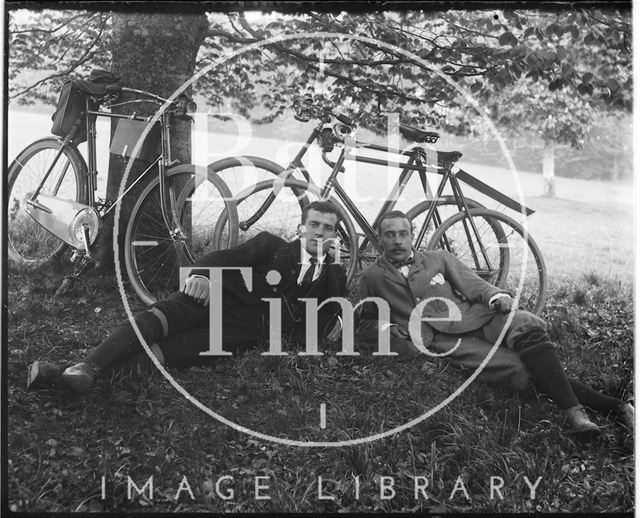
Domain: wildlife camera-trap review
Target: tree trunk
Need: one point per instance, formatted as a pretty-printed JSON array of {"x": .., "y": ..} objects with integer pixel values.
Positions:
[
  {"x": 156, "y": 53},
  {"x": 548, "y": 170}
]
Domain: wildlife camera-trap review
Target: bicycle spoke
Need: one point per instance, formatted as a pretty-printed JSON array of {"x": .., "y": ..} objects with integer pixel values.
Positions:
[
  {"x": 514, "y": 263},
  {"x": 28, "y": 241},
  {"x": 155, "y": 253}
]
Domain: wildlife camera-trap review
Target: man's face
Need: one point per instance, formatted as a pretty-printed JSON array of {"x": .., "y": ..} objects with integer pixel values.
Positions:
[
  {"x": 317, "y": 231},
  {"x": 395, "y": 238}
]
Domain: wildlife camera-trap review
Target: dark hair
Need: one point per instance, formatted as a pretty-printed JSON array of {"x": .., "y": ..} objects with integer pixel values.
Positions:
[
  {"x": 320, "y": 206},
  {"x": 391, "y": 215}
]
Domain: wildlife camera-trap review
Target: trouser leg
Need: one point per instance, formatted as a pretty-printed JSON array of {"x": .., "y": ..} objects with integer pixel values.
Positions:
[
  {"x": 504, "y": 367},
  {"x": 526, "y": 336},
  {"x": 173, "y": 315},
  {"x": 184, "y": 349},
  {"x": 594, "y": 399}
]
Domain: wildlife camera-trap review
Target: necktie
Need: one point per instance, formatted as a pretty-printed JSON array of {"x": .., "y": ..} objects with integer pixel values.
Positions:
[
  {"x": 405, "y": 262},
  {"x": 308, "y": 275}
]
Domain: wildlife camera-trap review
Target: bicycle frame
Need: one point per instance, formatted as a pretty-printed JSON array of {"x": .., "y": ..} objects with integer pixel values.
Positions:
[
  {"x": 416, "y": 162},
  {"x": 164, "y": 161}
]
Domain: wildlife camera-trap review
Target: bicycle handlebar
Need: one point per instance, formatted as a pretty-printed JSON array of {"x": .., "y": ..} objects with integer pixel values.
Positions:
[
  {"x": 183, "y": 106},
  {"x": 305, "y": 109}
]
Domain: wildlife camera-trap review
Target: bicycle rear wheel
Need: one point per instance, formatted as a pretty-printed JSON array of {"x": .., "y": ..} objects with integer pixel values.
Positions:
[
  {"x": 28, "y": 242},
  {"x": 284, "y": 214},
  {"x": 446, "y": 207},
  {"x": 506, "y": 258},
  {"x": 154, "y": 253}
]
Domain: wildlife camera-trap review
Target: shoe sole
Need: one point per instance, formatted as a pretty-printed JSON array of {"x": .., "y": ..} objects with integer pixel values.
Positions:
[
  {"x": 78, "y": 384},
  {"x": 32, "y": 376}
]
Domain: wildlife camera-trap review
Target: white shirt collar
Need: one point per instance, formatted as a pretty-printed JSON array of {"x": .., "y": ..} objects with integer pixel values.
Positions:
[{"x": 306, "y": 256}]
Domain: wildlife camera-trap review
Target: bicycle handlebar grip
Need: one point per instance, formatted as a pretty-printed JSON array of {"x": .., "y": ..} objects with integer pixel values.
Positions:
[
  {"x": 344, "y": 119},
  {"x": 113, "y": 89}
]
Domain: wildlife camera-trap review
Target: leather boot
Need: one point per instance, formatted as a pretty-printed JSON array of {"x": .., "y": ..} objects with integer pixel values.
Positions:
[{"x": 578, "y": 420}]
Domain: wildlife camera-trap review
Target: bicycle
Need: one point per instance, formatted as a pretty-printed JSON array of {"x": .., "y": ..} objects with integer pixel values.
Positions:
[
  {"x": 493, "y": 244},
  {"x": 52, "y": 202}
]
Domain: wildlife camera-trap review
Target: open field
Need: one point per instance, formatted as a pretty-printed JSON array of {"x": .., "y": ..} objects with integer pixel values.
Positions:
[{"x": 587, "y": 227}]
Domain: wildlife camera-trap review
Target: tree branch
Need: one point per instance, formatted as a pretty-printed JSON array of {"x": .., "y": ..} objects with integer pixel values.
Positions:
[
  {"x": 86, "y": 56},
  {"x": 51, "y": 31}
]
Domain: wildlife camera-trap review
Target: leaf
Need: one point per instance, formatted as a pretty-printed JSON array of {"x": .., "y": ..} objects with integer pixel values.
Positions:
[
  {"x": 476, "y": 86},
  {"x": 613, "y": 85},
  {"x": 556, "y": 84},
  {"x": 505, "y": 38},
  {"x": 533, "y": 75},
  {"x": 575, "y": 32},
  {"x": 587, "y": 78},
  {"x": 518, "y": 52}
]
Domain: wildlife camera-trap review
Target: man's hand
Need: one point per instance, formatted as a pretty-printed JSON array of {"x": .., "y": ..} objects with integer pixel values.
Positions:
[
  {"x": 399, "y": 332},
  {"x": 502, "y": 304},
  {"x": 198, "y": 289}
]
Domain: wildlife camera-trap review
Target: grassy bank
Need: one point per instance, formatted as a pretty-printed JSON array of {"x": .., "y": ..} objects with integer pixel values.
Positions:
[{"x": 134, "y": 424}]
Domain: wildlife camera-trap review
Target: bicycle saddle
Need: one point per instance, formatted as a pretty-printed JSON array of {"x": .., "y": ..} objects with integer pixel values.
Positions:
[
  {"x": 449, "y": 156},
  {"x": 418, "y": 135},
  {"x": 99, "y": 82}
]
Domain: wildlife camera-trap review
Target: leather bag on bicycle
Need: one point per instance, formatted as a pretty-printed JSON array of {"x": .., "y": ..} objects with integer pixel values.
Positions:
[
  {"x": 71, "y": 106},
  {"x": 72, "y": 103}
]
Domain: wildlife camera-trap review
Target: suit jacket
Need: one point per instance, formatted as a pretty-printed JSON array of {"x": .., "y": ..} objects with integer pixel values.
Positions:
[
  {"x": 434, "y": 274},
  {"x": 264, "y": 253}
]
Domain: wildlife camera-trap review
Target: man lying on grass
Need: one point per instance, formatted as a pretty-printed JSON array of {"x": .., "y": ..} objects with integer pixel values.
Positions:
[
  {"x": 177, "y": 328},
  {"x": 405, "y": 277}
]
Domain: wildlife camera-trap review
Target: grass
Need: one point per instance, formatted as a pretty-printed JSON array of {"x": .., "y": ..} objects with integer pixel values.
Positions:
[{"x": 134, "y": 424}]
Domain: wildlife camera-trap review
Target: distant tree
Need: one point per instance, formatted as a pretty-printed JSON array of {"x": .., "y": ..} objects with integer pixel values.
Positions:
[{"x": 563, "y": 111}]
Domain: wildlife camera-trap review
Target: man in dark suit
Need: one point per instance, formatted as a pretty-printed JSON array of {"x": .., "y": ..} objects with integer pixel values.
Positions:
[
  {"x": 178, "y": 327},
  {"x": 461, "y": 317}
]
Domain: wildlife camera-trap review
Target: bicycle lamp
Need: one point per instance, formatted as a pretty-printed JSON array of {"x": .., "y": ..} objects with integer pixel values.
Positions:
[{"x": 66, "y": 219}]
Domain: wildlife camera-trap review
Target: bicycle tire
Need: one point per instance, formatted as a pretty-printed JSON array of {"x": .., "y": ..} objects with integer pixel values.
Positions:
[
  {"x": 515, "y": 239},
  {"x": 239, "y": 173},
  {"x": 28, "y": 242},
  {"x": 153, "y": 253},
  {"x": 447, "y": 206},
  {"x": 450, "y": 206},
  {"x": 285, "y": 214}
]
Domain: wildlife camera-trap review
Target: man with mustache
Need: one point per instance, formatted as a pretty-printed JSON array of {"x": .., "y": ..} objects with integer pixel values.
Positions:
[
  {"x": 405, "y": 277},
  {"x": 177, "y": 328}
]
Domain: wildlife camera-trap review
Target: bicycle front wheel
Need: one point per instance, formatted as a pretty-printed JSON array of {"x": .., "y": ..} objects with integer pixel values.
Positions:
[
  {"x": 474, "y": 239},
  {"x": 154, "y": 253},
  {"x": 28, "y": 242},
  {"x": 284, "y": 213},
  {"x": 241, "y": 173}
]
